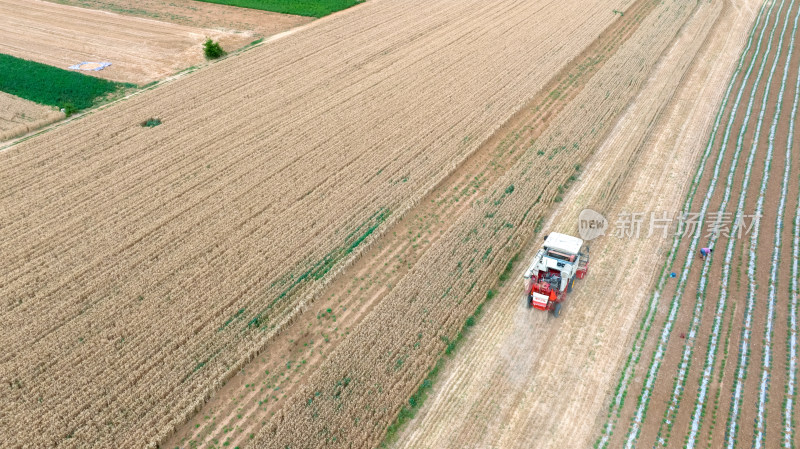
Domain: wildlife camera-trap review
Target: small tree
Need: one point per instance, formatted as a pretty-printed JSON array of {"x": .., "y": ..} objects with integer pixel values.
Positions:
[
  {"x": 212, "y": 49},
  {"x": 68, "y": 108}
]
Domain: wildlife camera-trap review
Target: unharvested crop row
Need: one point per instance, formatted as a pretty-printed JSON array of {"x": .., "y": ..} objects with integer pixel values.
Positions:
[
  {"x": 173, "y": 253},
  {"x": 359, "y": 390}
]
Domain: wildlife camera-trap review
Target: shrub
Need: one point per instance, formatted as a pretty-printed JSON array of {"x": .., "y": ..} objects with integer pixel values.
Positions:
[
  {"x": 68, "y": 108},
  {"x": 151, "y": 122},
  {"x": 212, "y": 49}
]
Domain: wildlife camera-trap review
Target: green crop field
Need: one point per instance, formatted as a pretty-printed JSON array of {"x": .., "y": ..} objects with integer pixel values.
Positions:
[
  {"x": 52, "y": 86},
  {"x": 310, "y": 8}
]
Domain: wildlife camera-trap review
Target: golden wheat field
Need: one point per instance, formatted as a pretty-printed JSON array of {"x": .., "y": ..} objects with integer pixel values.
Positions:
[
  {"x": 307, "y": 244},
  {"x": 19, "y": 116},
  {"x": 163, "y": 258}
]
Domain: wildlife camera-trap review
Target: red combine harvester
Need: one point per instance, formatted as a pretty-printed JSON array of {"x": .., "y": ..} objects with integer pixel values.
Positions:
[{"x": 553, "y": 271}]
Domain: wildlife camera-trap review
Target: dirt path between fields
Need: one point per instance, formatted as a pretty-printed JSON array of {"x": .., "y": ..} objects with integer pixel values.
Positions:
[{"x": 525, "y": 379}]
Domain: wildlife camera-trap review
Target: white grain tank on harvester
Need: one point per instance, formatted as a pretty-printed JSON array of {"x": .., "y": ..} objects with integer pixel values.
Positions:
[{"x": 553, "y": 271}]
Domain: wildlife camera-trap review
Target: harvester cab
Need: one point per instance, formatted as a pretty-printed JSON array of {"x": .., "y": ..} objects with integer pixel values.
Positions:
[{"x": 553, "y": 270}]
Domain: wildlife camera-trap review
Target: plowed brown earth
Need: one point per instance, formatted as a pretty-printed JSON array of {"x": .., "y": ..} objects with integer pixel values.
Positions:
[
  {"x": 200, "y": 14},
  {"x": 144, "y": 266},
  {"x": 19, "y": 116},
  {"x": 140, "y": 50}
]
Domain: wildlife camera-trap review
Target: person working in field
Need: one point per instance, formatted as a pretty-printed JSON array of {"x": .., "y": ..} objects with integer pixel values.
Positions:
[{"x": 704, "y": 252}]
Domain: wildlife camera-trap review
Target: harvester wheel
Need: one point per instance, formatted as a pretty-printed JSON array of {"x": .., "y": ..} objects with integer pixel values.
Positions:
[
  {"x": 530, "y": 301},
  {"x": 557, "y": 309},
  {"x": 569, "y": 286}
]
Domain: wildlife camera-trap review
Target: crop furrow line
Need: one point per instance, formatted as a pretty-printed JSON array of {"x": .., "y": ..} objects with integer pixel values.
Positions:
[
  {"x": 699, "y": 408},
  {"x": 644, "y": 328},
  {"x": 744, "y": 356},
  {"x": 788, "y": 403},
  {"x": 763, "y": 396},
  {"x": 655, "y": 364}
]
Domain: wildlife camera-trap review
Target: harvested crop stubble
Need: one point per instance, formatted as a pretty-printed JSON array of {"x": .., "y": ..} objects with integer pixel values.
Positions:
[
  {"x": 19, "y": 116},
  {"x": 516, "y": 371},
  {"x": 357, "y": 393},
  {"x": 249, "y": 397},
  {"x": 174, "y": 253}
]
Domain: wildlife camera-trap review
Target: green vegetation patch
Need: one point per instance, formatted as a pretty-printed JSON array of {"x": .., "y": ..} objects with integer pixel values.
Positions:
[
  {"x": 52, "y": 86},
  {"x": 309, "y": 8},
  {"x": 151, "y": 122},
  {"x": 322, "y": 267}
]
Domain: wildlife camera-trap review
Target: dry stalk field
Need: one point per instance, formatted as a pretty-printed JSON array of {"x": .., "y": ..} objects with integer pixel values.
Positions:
[
  {"x": 19, "y": 116},
  {"x": 359, "y": 390},
  {"x": 261, "y": 388},
  {"x": 141, "y": 50},
  {"x": 287, "y": 247},
  {"x": 143, "y": 266}
]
